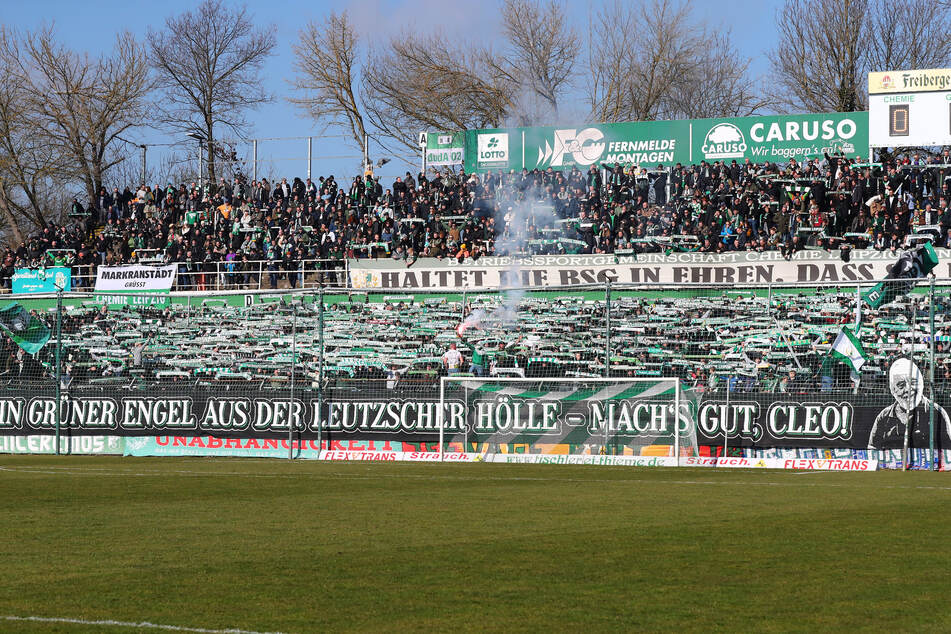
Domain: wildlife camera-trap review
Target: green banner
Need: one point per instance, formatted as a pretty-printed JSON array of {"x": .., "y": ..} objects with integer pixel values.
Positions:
[
  {"x": 27, "y": 331},
  {"x": 910, "y": 267},
  {"x": 445, "y": 148},
  {"x": 45, "y": 280},
  {"x": 118, "y": 300},
  {"x": 652, "y": 143}
]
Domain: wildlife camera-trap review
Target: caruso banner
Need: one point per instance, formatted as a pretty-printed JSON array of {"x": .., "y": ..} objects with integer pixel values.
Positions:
[
  {"x": 650, "y": 143},
  {"x": 551, "y": 271}
]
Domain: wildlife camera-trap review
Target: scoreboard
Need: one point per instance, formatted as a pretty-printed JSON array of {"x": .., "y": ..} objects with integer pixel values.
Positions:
[{"x": 909, "y": 108}]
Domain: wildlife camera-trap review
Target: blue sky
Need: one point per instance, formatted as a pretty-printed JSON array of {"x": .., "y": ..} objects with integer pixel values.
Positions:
[{"x": 91, "y": 25}]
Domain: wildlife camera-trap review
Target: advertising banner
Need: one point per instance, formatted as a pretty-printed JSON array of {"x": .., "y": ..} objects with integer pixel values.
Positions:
[
  {"x": 817, "y": 464},
  {"x": 480, "y": 417},
  {"x": 363, "y": 450},
  {"x": 730, "y": 462},
  {"x": 909, "y": 108},
  {"x": 370, "y": 451},
  {"x": 155, "y": 300},
  {"x": 651, "y": 143},
  {"x": 550, "y": 271},
  {"x": 79, "y": 445},
  {"x": 249, "y": 447},
  {"x": 49, "y": 280},
  {"x": 445, "y": 148},
  {"x": 386, "y": 451},
  {"x": 135, "y": 278}
]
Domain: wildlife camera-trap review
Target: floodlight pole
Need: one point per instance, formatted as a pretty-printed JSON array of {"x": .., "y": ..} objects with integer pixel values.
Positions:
[
  {"x": 59, "y": 373},
  {"x": 145, "y": 149},
  {"x": 310, "y": 154}
]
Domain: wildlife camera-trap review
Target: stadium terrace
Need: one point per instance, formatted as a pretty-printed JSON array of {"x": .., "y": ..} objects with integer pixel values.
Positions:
[{"x": 258, "y": 234}]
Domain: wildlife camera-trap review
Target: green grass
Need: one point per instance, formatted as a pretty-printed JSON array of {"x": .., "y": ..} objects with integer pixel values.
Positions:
[{"x": 305, "y": 546}]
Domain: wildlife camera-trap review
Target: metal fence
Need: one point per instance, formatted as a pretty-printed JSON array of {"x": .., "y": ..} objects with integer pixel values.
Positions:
[
  {"x": 253, "y": 275},
  {"x": 757, "y": 359}
]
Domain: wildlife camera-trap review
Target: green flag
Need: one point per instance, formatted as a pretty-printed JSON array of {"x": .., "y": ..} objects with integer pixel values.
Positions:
[
  {"x": 848, "y": 349},
  {"x": 910, "y": 266},
  {"x": 792, "y": 190},
  {"x": 26, "y": 330}
]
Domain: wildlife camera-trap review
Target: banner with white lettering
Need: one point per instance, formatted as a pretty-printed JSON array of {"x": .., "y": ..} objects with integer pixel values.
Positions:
[
  {"x": 77, "y": 445},
  {"x": 135, "y": 278},
  {"x": 549, "y": 271},
  {"x": 535, "y": 422}
]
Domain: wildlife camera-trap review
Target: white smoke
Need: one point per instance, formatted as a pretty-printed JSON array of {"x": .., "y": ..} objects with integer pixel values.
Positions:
[{"x": 519, "y": 219}]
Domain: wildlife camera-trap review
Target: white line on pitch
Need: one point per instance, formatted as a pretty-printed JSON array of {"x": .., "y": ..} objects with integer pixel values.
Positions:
[
  {"x": 78, "y": 470},
  {"x": 142, "y": 625}
]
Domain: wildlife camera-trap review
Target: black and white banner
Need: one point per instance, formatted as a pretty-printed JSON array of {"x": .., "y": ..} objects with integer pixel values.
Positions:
[
  {"x": 747, "y": 420},
  {"x": 135, "y": 278},
  {"x": 549, "y": 271}
]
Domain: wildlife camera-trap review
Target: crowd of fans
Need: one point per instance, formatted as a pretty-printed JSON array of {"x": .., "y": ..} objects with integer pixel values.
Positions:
[
  {"x": 261, "y": 231},
  {"x": 746, "y": 343}
]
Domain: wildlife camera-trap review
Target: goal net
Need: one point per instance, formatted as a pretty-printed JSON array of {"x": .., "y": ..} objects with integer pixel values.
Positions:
[{"x": 568, "y": 420}]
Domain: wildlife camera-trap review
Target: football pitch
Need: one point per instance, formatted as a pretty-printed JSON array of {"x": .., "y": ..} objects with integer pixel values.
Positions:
[{"x": 100, "y": 544}]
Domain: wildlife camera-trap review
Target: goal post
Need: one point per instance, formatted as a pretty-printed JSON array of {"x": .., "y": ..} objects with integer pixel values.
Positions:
[{"x": 515, "y": 419}]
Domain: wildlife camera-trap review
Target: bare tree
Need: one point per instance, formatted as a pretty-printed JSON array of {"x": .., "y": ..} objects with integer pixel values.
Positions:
[
  {"x": 209, "y": 63},
  {"x": 655, "y": 61},
  {"x": 327, "y": 74},
  {"x": 637, "y": 55},
  {"x": 717, "y": 84},
  {"x": 541, "y": 52},
  {"x": 817, "y": 63},
  {"x": 908, "y": 34},
  {"x": 421, "y": 82},
  {"x": 68, "y": 111},
  {"x": 24, "y": 162},
  {"x": 826, "y": 48}
]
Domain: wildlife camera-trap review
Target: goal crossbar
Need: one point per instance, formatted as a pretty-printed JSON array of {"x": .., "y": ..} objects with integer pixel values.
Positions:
[{"x": 446, "y": 380}]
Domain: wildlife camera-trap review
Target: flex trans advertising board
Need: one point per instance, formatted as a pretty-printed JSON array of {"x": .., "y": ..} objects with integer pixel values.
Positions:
[{"x": 652, "y": 143}]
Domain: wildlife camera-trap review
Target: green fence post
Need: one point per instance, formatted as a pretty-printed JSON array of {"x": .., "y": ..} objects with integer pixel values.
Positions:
[
  {"x": 290, "y": 422},
  {"x": 607, "y": 329},
  {"x": 320, "y": 369},
  {"x": 607, "y": 347},
  {"x": 931, "y": 464},
  {"x": 59, "y": 372}
]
